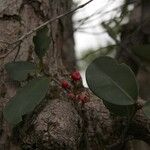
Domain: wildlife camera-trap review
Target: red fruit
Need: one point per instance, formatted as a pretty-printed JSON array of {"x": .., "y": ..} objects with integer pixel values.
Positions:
[
  {"x": 65, "y": 84},
  {"x": 71, "y": 95},
  {"x": 76, "y": 76},
  {"x": 83, "y": 97}
]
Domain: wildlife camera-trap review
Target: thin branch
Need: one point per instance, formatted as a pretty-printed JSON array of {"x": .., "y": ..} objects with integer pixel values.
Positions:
[
  {"x": 42, "y": 25},
  {"x": 101, "y": 13},
  {"x": 9, "y": 51},
  {"x": 18, "y": 50},
  {"x": 50, "y": 21}
]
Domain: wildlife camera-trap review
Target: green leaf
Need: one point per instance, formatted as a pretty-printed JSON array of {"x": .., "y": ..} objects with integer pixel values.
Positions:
[
  {"x": 120, "y": 110},
  {"x": 26, "y": 99},
  {"x": 112, "y": 82},
  {"x": 143, "y": 51},
  {"x": 41, "y": 42},
  {"x": 19, "y": 70},
  {"x": 146, "y": 109}
]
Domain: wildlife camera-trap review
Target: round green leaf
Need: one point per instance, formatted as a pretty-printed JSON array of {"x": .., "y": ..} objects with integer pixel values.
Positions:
[
  {"x": 114, "y": 83},
  {"x": 125, "y": 110},
  {"x": 26, "y": 99},
  {"x": 41, "y": 42},
  {"x": 19, "y": 70}
]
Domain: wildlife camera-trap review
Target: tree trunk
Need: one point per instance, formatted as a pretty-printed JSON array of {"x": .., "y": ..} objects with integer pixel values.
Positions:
[
  {"x": 57, "y": 123},
  {"x": 18, "y": 17}
]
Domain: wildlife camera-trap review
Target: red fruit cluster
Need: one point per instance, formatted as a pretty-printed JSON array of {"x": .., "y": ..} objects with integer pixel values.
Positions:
[
  {"x": 65, "y": 84},
  {"x": 73, "y": 91},
  {"x": 76, "y": 76}
]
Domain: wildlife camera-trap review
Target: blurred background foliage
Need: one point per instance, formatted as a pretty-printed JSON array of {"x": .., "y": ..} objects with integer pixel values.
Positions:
[{"x": 112, "y": 27}]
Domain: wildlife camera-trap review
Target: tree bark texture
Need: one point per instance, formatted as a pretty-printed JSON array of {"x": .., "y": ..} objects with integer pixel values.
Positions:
[
  {"x": 57, "y": 123},
  {"x": 18, "y": 17}
]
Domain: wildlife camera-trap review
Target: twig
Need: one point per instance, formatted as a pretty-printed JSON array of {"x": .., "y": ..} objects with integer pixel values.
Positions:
[
  {"x": 59, "y": 84},
  {"x": 42, "y": 25},
  {"x": 50, "y": 21},
  {"x": 101, "y": 13},
  {"x": 18, "y": 50}
]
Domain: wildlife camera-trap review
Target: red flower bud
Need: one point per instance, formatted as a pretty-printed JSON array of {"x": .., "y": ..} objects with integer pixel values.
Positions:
[
  {"x": 83, "y": 97},
  {"x": 76, "y": 76},
  {"x": 65, "y": 84},
  {"x": 71, "y": 95}
]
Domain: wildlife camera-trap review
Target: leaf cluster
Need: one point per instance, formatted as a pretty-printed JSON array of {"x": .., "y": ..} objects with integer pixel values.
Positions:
[{"x": 34, "y": 91}]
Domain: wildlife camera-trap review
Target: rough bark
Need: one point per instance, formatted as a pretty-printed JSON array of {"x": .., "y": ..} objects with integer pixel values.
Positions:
[
  {"x": 17, "y": 17},
  {"x": 57, "y": 123}
]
